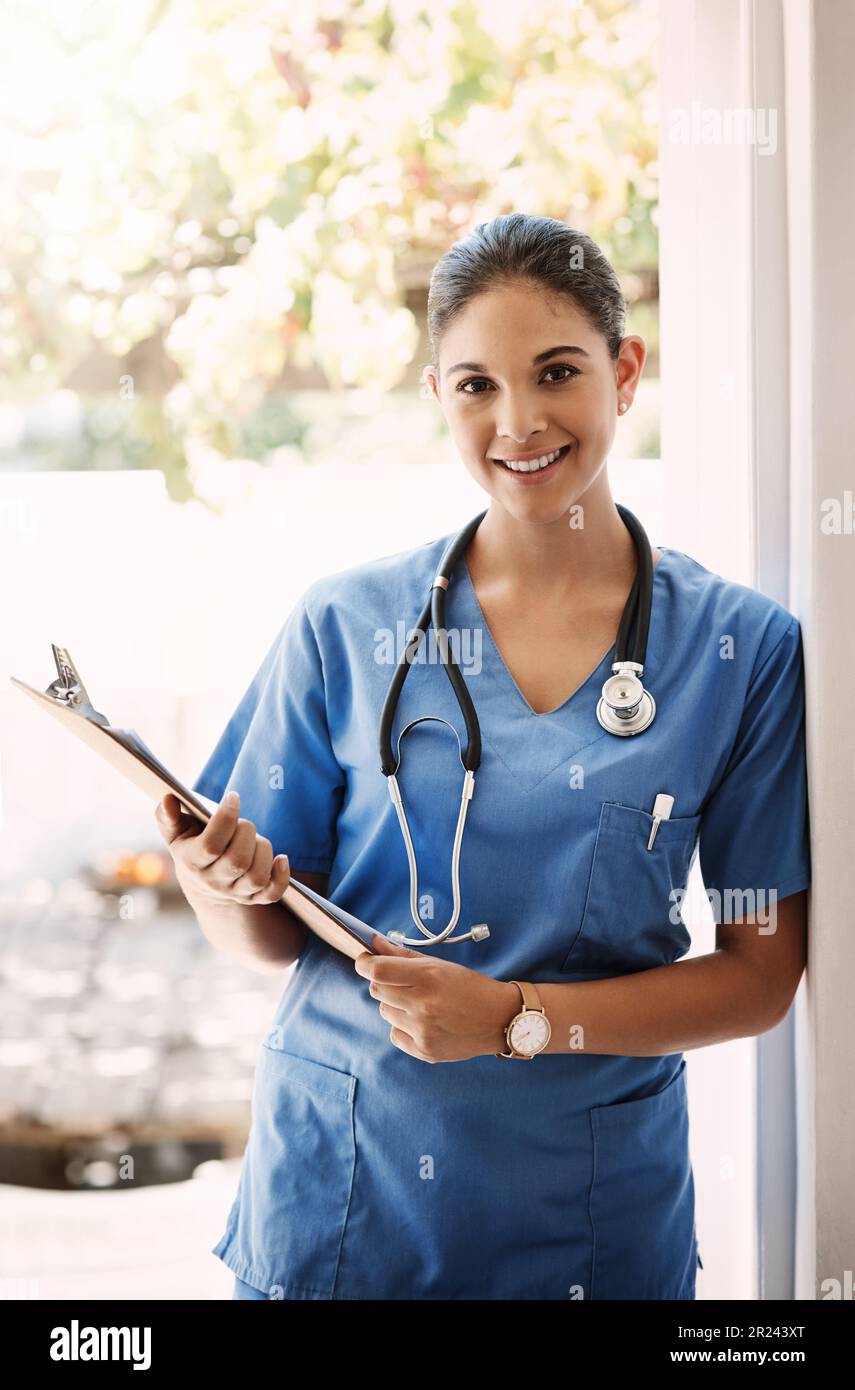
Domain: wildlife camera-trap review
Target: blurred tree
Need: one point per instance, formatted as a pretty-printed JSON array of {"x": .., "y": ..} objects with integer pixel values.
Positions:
[{"x": 207, "y": 202}]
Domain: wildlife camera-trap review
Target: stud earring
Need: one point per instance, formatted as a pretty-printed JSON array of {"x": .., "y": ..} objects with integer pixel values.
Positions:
[{"x": 622, "y": 407}]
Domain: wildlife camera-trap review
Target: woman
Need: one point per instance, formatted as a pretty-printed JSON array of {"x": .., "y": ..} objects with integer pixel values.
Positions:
[{"x": 393, "y": 1154}]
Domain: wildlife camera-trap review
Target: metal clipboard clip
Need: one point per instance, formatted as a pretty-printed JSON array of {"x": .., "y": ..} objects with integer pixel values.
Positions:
[{"x": 68, "y": 688}]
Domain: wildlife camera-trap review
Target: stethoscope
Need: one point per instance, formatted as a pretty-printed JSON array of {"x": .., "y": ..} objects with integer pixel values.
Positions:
[{"x": 624, "y": 707}]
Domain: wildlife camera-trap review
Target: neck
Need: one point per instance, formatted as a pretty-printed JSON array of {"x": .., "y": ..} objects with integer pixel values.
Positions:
[{"x": 554, "y": 558}]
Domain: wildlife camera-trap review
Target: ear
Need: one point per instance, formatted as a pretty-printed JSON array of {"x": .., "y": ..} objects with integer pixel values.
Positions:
[{"x": 430, "y": 385}]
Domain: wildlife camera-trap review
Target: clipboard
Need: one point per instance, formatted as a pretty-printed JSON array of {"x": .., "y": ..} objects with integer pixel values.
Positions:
[{"x": 67, "y": 700}]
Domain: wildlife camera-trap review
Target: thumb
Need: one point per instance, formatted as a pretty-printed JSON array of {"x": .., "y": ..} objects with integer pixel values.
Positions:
[
  {"x": 385, "y": 947},
  {"x": 169, "y": 809},
  {"x": 170, "y": 817}
]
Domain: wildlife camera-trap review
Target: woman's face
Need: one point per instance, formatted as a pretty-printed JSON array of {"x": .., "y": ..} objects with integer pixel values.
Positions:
[{"x": 522, "y": 373}]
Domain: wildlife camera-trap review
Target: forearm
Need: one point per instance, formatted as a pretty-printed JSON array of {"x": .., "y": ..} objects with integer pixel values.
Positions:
[
  {"x": 265, "y": 938},
  {"x": 673, "y": 1008}
]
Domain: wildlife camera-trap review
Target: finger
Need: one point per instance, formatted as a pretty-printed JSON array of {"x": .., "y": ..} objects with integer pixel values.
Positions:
[
  {"x": 218, "y": 834},
  {"x": 235, "y": 860},
  {"x": 372, "y": 968},
  {"x": 391, "y": 994},
  {"x": 402, "y": 973},
  {"x": 399, "y": 1017},
  {"x": 405, "y": 1043},
  {"x": 383, "y": 946},
  {"x": 280, "y": 873},
  {"x": 254, "y": 876},
  {"x": 381, "y": 963}
]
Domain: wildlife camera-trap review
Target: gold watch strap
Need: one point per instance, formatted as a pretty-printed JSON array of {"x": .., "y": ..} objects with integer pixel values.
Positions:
[{"x": 531, "y": 998}]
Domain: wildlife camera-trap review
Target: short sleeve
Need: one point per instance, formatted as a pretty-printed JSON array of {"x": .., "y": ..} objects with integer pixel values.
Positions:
[
  {"x": 276, "y": 751},
  {"x": 754, "y": 832}
]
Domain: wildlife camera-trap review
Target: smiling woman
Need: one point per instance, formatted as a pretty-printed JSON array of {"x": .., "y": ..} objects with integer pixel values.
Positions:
[
  {"x": 533, "y": 425},
  {"x": 532, "y": 412},
  {"x": 393, "y": 1154},
  {"x": 542, "y": 309}
]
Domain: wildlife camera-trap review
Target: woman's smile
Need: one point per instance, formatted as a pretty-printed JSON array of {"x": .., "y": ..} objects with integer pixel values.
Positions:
[{"x": 534, "y": 470}]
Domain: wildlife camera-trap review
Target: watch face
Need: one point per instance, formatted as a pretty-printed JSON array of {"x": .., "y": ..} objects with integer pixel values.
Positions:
[{"x": 530, "y": 1033}]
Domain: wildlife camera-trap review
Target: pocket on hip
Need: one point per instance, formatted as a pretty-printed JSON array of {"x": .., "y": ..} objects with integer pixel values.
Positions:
[
  {"x": 642, "y": 1200},
  {"x": 299, "y": 1166}
]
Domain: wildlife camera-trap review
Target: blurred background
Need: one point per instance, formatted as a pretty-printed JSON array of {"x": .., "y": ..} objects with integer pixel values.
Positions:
[{"x": 218, "y": 225}]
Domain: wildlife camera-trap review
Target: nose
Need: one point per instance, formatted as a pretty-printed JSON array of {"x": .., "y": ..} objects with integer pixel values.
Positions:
[{"x": 517, "y": 419}]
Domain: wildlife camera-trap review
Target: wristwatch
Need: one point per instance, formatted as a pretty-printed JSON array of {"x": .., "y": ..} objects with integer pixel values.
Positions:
[{"x": 528, "y": 1031}]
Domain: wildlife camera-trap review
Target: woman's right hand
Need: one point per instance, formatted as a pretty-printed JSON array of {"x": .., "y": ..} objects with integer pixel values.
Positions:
[{"x": 225, "y": 861}]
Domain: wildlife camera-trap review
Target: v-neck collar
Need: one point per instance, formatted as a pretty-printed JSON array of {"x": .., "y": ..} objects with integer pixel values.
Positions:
[{"x": 598, "y": 672}]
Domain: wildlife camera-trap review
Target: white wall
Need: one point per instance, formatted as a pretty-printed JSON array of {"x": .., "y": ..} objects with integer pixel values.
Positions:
[
  {"x": 822, "y": 419},
  {"x": 757, "y": 306}
]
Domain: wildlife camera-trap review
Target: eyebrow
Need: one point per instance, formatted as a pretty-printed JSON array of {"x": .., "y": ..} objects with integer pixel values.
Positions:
[{"x": 536, "y": 361}]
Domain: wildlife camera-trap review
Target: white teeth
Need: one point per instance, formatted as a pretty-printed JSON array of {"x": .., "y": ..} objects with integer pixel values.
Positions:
[{"x": 531, "y": 465}]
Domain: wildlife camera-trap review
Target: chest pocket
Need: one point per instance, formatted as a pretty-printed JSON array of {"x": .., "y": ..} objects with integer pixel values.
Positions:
[{"x": 630, "y": 921}]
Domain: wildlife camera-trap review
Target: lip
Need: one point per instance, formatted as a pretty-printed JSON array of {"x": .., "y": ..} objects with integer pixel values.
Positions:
[
  {"x": 526, "y": 458},
  {"x": 543, "y": 475}
]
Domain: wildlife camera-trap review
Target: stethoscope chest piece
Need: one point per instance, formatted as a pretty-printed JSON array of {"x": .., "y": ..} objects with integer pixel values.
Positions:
[{"x": 625, "y": 707}]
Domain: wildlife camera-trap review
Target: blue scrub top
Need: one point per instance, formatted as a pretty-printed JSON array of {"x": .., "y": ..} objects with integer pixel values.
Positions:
[{"x": 370, "y": 1174}]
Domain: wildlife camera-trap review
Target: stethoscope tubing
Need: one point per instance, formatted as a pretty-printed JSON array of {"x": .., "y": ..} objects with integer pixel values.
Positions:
[
  {"x": 630, "y": 649},
  {"x": 434, "y": 612}
]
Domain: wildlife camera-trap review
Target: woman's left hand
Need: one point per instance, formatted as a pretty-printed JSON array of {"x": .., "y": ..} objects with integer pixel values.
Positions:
[{"x": 440, "y": 1011}]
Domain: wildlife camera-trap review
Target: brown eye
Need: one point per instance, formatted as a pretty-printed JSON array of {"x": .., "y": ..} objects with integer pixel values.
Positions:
[
  {"x": 564, "y": 367},
  {"x": 556, "y": 367}
]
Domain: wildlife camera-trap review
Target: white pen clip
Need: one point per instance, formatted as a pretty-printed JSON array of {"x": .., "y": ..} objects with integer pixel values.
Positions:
[{"x": 661, "y": 811}]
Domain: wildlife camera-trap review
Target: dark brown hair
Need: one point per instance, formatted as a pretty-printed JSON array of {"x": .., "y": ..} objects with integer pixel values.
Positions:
[{"x": 518, "y": 246}]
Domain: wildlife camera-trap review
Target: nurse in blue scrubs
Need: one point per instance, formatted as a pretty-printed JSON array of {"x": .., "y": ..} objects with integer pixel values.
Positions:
[{"x": 393, "y": 1154}]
